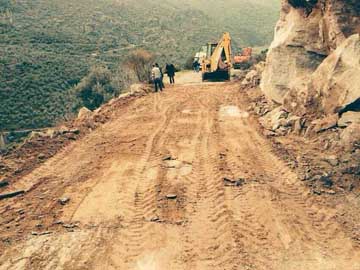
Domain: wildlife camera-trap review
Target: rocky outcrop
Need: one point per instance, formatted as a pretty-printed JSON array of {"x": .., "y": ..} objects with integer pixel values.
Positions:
[{"x": 314, "y": 49}]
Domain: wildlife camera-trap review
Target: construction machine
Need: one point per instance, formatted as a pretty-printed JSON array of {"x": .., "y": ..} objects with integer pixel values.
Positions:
[
  {"x": 217, "y": 64},
  {"x": 243, "y": 60}
]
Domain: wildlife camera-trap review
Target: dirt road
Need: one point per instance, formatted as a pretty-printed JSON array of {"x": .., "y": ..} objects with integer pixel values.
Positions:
[{"x": 181, "y": 180}]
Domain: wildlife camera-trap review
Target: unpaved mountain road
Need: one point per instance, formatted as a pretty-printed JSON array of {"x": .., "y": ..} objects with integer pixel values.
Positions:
[{"x": 147, "y": 192}]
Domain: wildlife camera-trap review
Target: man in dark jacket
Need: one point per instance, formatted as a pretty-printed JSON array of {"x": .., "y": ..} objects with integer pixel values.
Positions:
[{"x": 170, "y": 70}]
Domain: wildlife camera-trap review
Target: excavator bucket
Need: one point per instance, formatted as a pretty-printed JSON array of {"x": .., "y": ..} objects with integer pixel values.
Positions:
[{"x": 220, "y": 75}]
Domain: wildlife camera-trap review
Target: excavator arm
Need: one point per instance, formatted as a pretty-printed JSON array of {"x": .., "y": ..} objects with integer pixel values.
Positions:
[
  {"x": 221, "y": 54},
  {"x": 217, "y": 64}
]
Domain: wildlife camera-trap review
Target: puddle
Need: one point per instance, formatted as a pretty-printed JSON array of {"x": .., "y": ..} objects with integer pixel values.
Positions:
[{"x": 232, "y": 111}]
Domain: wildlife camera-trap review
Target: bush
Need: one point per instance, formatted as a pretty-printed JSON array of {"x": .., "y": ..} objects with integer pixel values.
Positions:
[
  {"x": 95, "y": 88},
  {"x": 139, "y": 62}
]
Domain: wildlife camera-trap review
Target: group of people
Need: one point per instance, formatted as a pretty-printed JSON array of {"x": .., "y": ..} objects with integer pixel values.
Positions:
[{"x": 157, "y": 76}]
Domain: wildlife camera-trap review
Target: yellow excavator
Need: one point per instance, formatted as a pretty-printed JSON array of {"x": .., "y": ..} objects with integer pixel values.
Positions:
[{"x": 216, "y": 66}]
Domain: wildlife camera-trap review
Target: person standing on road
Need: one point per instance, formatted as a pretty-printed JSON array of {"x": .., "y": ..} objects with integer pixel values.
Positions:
[
  {"x": 196, "y": 66},
  {"x": 156, "y": 77},
  {"x": 170, "y": 70},
  {"x": 162, "y": 75}
]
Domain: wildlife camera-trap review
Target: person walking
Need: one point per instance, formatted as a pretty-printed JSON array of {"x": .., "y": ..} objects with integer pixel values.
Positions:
[
  {"x": 156, "y": 77},
  {"x": 170, "y": 70}
]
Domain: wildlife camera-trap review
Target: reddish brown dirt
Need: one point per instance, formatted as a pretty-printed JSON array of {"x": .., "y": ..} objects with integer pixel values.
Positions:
[{"x": 184, "y": 142}]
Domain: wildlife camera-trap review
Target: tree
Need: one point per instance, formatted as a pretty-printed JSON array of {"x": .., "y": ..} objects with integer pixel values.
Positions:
[
  {"x": 139, "y": 61},
  {"x": 95, "y": 89}
]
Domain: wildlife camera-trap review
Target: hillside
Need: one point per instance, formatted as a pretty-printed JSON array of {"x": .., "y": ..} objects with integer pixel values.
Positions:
[{"x": 47, "y": 47}]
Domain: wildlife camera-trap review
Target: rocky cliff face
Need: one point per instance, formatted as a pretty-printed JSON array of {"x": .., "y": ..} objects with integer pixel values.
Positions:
[{"x": 314, "y": 60}]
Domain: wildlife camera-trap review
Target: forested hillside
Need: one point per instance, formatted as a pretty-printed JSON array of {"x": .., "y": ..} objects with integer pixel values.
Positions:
[{"x": 48, "y": 46}]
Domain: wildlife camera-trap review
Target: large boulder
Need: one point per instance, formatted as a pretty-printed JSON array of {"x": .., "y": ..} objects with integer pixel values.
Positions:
[
  {"x": 333, "y": 87},
  {"x": 337, "y": 80},
  {"x": 307, "y": 32}
]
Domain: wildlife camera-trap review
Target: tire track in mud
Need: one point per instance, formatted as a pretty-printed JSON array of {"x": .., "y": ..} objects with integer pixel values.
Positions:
[
  {"x": 315, "y": 223},
  {"x": 300, "y": 228},
  {"x": 208, "y": 238},
  {"x": 138, "y": 231}
]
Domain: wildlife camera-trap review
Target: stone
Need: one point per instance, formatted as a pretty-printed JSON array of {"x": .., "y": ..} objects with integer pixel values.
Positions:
[
  {"x": 348, "y": 118},
  {"x": 41, "y": 233},
  {"x": 275, "y": 119},
  {"x": 295, "y": 53},
  {"x": 155, "y": 219},
  {"x": 350, "y": 137},
  {"x": 139, "y": 88},
  {"x": 291, "y": 121},
  {"x": 171, "y": 196},
  {"x": 168, "y": 158},
  {"x": 336, "y": 81},
  {"x": 84, "y": 113},
  {"x": 332, "y": 160},
  {"x": 298, "y": 126},
  {"x": 252, "y": 78},
  {"x": 313, "y": 61},
  {"x": 269, "y": 133},
  {"x": 325, "y": 123},
  {"x": 69, "y": 226},
  {"x": 278, "y": 124},
  {"x": 234, "y": 182},
  {"x": 41, "y": 156},
  {"x": 58, "y": 222},
  {"x": 38, "y": 134},
  {"x": 64, "y": 200}
]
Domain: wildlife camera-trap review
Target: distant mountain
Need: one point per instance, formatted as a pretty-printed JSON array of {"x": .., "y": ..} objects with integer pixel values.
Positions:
[{"x": 47, "y": 46}]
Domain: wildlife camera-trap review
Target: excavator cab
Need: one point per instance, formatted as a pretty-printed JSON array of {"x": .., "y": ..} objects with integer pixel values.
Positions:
[{"x": 216, "y": 66}]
